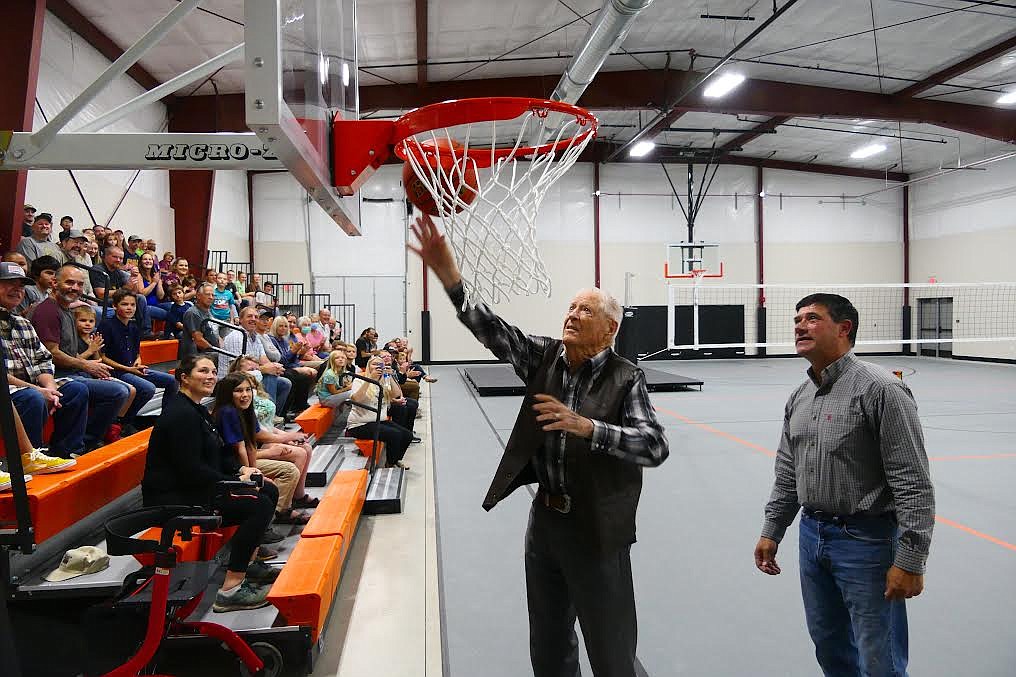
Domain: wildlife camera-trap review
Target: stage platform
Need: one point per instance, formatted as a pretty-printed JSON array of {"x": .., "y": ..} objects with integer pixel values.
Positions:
[{"x": 500, "y": 379}]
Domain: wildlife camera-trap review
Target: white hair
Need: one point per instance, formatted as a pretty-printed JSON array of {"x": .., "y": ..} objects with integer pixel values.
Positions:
[{"x": 609, "y": 305}]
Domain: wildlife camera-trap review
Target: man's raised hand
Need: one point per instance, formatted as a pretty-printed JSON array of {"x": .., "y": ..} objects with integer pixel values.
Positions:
[{"x": 433, "y": 249}]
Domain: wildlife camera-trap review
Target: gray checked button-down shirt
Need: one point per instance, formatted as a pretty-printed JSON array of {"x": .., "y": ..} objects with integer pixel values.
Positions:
[
  {"x": 639, "y": 439},
  {"x": 852, "y": 445}
]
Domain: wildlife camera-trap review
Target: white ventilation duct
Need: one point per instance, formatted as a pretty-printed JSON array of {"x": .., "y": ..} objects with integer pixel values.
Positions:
[{"x": 604, "y": 37}]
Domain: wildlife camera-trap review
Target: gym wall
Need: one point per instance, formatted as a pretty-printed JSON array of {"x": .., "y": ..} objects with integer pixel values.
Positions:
[{"x": 67, "y": 65}]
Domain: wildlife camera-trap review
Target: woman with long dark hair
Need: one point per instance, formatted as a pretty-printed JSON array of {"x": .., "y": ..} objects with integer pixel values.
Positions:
[
  {"x": 233, "y": 410},
  {"x": 187, "y": 459}
]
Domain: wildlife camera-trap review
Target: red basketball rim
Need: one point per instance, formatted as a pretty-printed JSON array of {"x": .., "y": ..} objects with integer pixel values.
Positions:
[{"x": 465, "y": 111}]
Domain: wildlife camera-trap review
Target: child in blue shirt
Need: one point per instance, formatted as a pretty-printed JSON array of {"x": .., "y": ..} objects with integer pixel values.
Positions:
[
  {"x": 174, "y": 314},
  {"x": 121, "y": 338},
  {"x": 223, "y": 301}
]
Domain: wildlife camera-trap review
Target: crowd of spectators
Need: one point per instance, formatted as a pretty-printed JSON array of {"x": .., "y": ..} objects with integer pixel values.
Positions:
[{"x": 74, "y": 310}]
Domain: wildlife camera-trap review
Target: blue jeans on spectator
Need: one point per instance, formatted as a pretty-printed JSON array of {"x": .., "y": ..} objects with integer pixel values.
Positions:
[
  {"x": 68, "y": 421},
  {"x": 856, "y": 631},
  {"x": 145, "y": 388},
  {"x": 278, "y": 388},
  {"x": 105, "y": 397}
]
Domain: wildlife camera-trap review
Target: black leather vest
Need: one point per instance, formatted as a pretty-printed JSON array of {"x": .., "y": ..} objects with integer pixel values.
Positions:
[{"x": 604, "y": 490}]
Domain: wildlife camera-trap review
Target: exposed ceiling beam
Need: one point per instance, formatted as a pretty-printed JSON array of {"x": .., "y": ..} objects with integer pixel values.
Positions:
[
  {"x": 958, "y": 69},
  {"x": 598, "y": 151},
  {"x": 94, "y": 36},
  {"x": 421, "y": 43},
  {"x": 753, "y": 133},
  {"x": 620, "y": 90}
]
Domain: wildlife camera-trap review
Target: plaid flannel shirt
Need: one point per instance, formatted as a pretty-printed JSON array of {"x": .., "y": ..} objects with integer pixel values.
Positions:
[
  {"x": 638, "y": 439},
  {"x": 25, "y": 356}
]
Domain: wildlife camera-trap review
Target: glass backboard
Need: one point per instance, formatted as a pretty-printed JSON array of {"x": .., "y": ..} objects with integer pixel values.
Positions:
[{"x": 301, "y": 73}]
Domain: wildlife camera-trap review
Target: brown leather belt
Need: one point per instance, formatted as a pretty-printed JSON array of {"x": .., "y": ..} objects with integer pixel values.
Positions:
[{"x": 559, "y": 502}]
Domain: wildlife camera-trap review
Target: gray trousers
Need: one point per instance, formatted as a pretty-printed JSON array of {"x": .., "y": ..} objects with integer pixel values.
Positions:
[{"x": 565, "y": 581}]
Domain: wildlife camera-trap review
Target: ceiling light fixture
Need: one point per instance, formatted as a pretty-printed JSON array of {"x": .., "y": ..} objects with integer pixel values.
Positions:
[
  {"x": 723, "y": 85},
  {"x": 1006, "y": 99},
  {"x": 868, "y": 151},
  {"x": 641, "y": 148}
]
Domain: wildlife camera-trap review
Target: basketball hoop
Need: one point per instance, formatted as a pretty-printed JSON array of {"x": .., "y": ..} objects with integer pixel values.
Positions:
[{"x": 512, "y": 149}]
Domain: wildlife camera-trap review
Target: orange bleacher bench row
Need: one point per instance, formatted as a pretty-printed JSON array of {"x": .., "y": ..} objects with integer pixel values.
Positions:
[
  {"x": 156, "y": 352},
  {"x": 60, "y": 500},
  {"x": 304, "y": 590},
  {"x": 316, "y": 420}
]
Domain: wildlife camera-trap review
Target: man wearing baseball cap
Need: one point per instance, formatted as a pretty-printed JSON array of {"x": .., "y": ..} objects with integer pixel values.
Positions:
[
  {"x": 34, "y": 390},
  {"x": 73, "y": 249},
  {"x": 38, "y": 243},
  {"x": 26, "y": 223}
]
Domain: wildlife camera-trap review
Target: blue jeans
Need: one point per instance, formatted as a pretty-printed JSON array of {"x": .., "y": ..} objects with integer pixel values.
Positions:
[
  {"x": 856, "y": 631},
  {"x": 105, "y": 397},
  {"x": 145, "y": 388},
  {"x": 68, "y": 421},
  {"x": 278, "y": 388}
]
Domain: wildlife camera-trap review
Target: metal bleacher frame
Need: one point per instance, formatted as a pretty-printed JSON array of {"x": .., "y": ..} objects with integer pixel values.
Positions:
[
  {"x": 311, "y": 303},
  {"x": 288, "y": 297},
  {"x": 345, "y": 313}
]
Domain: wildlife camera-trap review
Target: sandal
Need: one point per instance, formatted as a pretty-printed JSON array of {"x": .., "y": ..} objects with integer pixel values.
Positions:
[
  {"x": 291, "y": 517},
  {"x": 306, "y": 501}
]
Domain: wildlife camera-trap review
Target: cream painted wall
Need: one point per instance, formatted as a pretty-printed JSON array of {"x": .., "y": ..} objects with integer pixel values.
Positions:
[
  {"x": 963, "y": 229},
  {"x": 230, "y": 223},
  {"x": 68, "y": 64}
]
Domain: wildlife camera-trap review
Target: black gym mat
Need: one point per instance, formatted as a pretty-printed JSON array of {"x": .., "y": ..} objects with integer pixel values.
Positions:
[{"x": 495, "y": 380}]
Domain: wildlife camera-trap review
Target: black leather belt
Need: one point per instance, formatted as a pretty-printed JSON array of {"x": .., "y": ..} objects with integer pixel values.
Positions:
[
  {"x": 559, "y": 502},
  {"x": 822, "y": 516}
]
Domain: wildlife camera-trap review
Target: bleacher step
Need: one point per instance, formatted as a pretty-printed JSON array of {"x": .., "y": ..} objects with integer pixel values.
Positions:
[
  {"x": 386, "y": 492},
  {"x": 327, "y": 460}
]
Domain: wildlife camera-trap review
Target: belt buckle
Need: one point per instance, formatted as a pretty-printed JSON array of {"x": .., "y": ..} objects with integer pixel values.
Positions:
[
  {"x": 547, "y": 500},
  {"x": 567, "y": 505}
]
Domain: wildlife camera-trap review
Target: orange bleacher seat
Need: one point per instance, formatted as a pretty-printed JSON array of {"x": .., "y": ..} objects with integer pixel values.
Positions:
[
  {"x": 340, "y": 507},
  {"x": 366, "y": 445},
  {"x": 201, "y": 548},
  {"x": 59, "y": 500},
  {"x": 316, "y": 420},
  {"x": 304, "y": 591},
  {"x": 156, "y": 352}
]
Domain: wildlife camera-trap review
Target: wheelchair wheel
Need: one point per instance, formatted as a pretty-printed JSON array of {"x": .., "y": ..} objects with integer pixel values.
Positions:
[{"x": 271, "y": 657}]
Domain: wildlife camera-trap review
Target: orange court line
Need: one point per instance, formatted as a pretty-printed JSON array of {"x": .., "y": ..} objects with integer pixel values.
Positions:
[
  {"x": 716, "y": 431},
  {"x": 770, "y": 453},
  {"x": 974, "y": 532}
]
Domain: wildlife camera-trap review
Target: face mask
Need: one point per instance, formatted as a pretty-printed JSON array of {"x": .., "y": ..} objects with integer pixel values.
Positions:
[{"x": 305, "y": 330}]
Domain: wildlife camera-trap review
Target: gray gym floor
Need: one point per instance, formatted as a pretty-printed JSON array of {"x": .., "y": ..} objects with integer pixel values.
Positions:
[{"x": 703, "y": 607}]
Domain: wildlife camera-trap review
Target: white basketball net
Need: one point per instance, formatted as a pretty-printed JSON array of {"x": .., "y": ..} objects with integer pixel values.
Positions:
[{"x": 494, "y": 236}]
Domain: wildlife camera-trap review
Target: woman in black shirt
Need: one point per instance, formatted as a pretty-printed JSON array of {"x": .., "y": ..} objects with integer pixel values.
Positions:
[{"x": 186, "y": 459}]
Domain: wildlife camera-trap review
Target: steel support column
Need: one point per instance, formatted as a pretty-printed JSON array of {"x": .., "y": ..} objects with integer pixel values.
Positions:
[
  {"x": 190, "y": 196},
  {"x": 20, "y": 47},
  {"x": 596, "y": 224},
  {"x": 760, "y": 240}
]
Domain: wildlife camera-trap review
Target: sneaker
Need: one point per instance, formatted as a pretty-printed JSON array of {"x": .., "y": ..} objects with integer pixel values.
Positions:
[
  {"x": 271, "y": 536},
  {"x": 242, "y": 597},
  {"x": 260, "y": 573},
  {"x": 265, "y": 553},
  {"x": 113, "y": 433},
  {"x": 5, "y": 480},
  {"x": 415, "y": 440},
  {"x": 40, "y": 464}
]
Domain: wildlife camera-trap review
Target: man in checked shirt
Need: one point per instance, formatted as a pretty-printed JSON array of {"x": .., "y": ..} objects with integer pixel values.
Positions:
[
  {"x": 584, "y": 432},
  {"x": 852, "y": 459}
]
